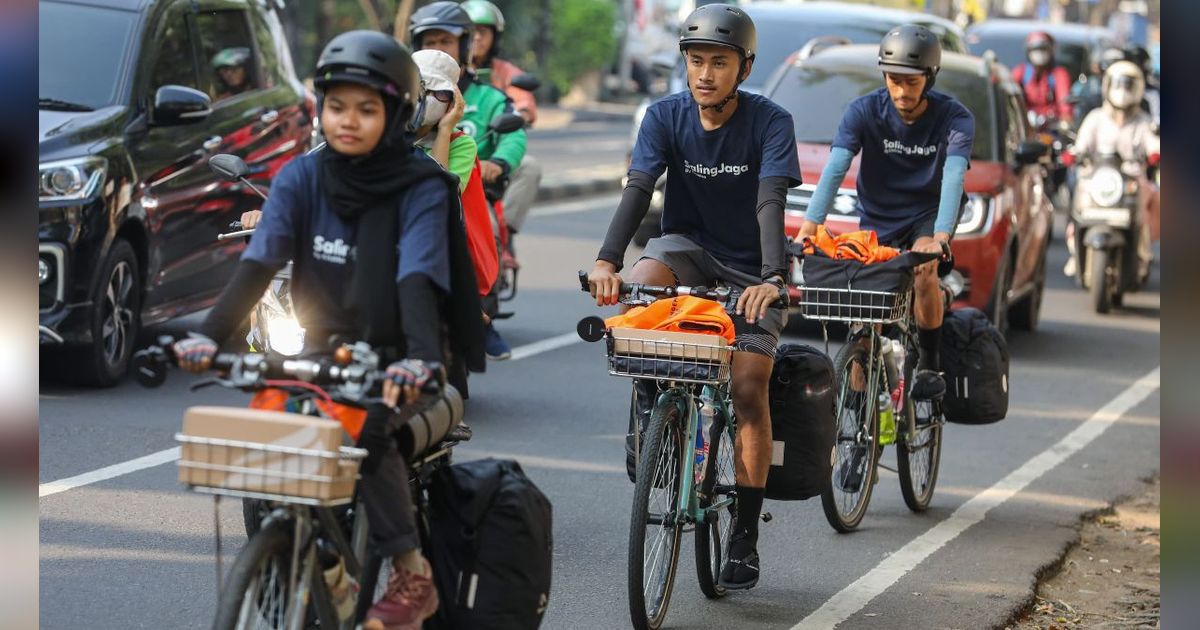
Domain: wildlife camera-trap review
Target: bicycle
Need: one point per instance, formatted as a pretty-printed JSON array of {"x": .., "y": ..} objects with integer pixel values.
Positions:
[
  {"x": 870, "y": 385},
  {"x": 277, "y": 579},
  {"x": 670, "y": 495}
]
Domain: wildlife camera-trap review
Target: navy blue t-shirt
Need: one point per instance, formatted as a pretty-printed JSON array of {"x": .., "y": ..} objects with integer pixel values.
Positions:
[
  {"x": 298, "y": 225},
  {"x": 900, "y": 174},
  {"x": 712, "y": 182}
]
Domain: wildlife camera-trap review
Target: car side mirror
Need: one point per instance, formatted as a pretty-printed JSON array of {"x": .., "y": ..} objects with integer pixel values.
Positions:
[
  {"x": 179, "y": 105},
  {"x": 526, "y": 82},
  {"x": 228, "y": 167},
  {"x": 1031, "y": 152},
  {"x": 507, "y": 123}
]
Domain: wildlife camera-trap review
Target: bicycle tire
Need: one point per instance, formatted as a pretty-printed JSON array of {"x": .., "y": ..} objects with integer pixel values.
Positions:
[
  {"x": 917, "y": 482},
  {"x": 268, "y": 548},
  {"x": 663, "y": 430},
  {"x": 865, "y": 427},
  {"x": 710, "y": 548}
]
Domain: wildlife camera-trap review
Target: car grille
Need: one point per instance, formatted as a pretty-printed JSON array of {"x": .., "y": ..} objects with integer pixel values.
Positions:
[{"x": 845, "y": 204}]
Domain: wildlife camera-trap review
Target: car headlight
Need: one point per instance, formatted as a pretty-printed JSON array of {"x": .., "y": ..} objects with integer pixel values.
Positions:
[
  {"x": 975, "y": 214},
  {"x": 73, "y": 179},
  {"x": 1106, "y": 186}
]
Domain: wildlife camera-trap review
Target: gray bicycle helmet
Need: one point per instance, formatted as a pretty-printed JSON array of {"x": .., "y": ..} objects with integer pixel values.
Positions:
[
  {"x": 911, "y": 49},
  {"x": 443, "y": 16},
  {"x": 722, "y": 25},
  {"x": 375, "y": 60}
]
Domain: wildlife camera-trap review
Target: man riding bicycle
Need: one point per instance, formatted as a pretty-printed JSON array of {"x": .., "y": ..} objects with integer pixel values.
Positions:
[
  {"x": 447, "y": 27},
  {"x": 368, "y": 197},
  {"x": 916, "y": 146},
  {"x": 731, "y": 156}
]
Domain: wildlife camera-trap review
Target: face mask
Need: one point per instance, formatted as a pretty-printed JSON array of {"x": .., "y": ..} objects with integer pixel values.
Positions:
[
  {"x": 434, "y": 110},
  {"x": 1039, "y": 57},
  {"x": 1121, "y": 98}
]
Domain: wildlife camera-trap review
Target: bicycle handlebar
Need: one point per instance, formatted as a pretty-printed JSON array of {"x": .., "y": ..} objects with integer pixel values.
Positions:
[{"x": 724, "y": 295}]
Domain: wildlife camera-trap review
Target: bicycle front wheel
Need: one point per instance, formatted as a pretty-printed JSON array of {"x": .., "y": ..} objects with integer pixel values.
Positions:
[
  {"x": 655, "y": 525},
  {"x": 255, "y": 594},
  {"x": 712, "y": 536},
  {"x": 856, "y": 449}
]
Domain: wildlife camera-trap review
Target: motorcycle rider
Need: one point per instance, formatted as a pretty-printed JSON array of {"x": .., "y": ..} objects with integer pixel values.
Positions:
[
  {"x": 447, "y": 27},
  {"x": 489, "y": 67},
  {"x": 232, "y": 72},
  {"x": 731, "y": 156},
  {"x": 912, "y": 199},
  {"x": 327, "y": 211},
  {"x": 1122, "y": 126},
  {"x": 455, "y": 150},
  {"x": 1046, "y": 84}
]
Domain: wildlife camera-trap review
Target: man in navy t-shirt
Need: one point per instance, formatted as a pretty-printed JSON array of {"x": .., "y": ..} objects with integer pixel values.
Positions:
[
  {"x": 730, "y": 156},
  {"x": 915, "y": 146}
]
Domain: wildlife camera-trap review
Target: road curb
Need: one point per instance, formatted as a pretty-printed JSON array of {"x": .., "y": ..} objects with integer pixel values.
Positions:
[{"x": 569, "y": 188}]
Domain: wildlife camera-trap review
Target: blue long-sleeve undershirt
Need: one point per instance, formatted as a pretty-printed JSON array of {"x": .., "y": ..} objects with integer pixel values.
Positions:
[{"x": 953, "y": 175}]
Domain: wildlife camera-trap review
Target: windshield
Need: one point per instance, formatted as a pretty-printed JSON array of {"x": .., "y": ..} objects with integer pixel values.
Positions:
[
  {"x": 1010, "y": 50},
  {"x": 81, "y": 53},
  {"x": 779, "y": 39},
  {"x": 817, "y": 98}
]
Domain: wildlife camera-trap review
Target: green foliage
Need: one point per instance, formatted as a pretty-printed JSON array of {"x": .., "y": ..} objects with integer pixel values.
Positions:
[{"x": 582, "y": 39}]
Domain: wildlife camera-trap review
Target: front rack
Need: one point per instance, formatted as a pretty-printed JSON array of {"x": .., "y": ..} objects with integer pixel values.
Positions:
[
  {"x": 854, "y": 305},
  {"x": 267, "y": 471},
  {"x": 666, "y": 359}
]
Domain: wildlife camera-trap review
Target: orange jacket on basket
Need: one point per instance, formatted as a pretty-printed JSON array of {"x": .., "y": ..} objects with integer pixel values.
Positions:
[
  {"x": 682, "y": 314},
  {"x": 862, "y": 246}
]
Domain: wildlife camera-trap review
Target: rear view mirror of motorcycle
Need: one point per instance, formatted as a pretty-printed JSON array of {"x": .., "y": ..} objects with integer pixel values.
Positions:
[
  {"x": 1031, "y": 152},
  {"x": 229, "y": 167},
  {"x": 507, "y": 123},
  {"x": 526, "y": 82}
]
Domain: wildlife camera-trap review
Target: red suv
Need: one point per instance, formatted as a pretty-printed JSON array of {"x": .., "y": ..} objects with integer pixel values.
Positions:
[{"x": 1001, "y": 241}]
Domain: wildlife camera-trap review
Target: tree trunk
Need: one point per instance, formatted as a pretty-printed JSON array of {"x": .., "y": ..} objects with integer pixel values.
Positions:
[
  {"x": 372, "y": 14},
  {"x": 326, "y": 22},
  {"x": 400, "y": 28}
]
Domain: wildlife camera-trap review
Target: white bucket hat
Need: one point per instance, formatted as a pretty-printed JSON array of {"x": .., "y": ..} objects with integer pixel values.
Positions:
[{"x": 439, "y": 71}]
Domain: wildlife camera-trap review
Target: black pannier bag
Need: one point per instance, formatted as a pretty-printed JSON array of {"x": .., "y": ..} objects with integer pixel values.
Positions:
[
  {"x": 491, "y": 547},
  {"x": 975, "y": 363},
  {"x": 803, "y": 429}
]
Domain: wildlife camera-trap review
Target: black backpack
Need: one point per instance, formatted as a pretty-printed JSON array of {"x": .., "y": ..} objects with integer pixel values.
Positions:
[
  {"x": 802, "y": 396},
  {"x": 491, "y": 546},
  {"x": 975, "y": 362}
]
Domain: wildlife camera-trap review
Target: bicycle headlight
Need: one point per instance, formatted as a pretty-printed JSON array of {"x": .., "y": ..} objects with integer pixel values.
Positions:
[
  {"x": 286, "y": 336},
  {"x": 73, "y": 179},
  {"x": 975, "y": 214},
  {"x": 1106, "y": 186}
]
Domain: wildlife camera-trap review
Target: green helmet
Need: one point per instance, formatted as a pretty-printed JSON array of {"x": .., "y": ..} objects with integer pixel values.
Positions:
[
  {"x": 485, "y": 13},
  {"x": 231, "y": 57}
]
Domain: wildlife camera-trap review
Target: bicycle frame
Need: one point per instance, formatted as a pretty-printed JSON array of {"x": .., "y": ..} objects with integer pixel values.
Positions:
[{"x": 685, "y": 400}]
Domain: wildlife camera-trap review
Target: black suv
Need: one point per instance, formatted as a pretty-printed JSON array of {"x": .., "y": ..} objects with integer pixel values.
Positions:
[{"x": 134, "y": 97}]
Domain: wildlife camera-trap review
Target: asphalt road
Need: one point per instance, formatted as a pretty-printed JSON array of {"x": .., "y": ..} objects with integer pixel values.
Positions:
[{"x": 136, "y": 551}]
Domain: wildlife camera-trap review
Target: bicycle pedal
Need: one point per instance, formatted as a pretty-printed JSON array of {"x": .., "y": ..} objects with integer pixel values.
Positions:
[{"x": 766, "y": 517}]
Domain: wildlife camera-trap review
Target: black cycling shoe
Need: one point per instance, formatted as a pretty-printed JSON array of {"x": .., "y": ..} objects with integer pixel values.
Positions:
[
  {"x": 928, "y": 385},
  {"x": 741, "y": 569}
]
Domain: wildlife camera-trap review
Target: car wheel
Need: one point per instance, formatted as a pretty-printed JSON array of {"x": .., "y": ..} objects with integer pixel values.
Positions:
[
  {"x": 1024, "y": 315},
  {"x": 115, "y": 322},
  {"x": 997, "y": 309}
]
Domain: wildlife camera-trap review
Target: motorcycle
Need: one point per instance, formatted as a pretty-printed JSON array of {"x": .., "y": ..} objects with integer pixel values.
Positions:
[
  {"x": 274, "y": 327},
  {"x": 506, "y": 285},
  {"x": 1060, "y": 177},
  {"x": 1110, "y": 239}
]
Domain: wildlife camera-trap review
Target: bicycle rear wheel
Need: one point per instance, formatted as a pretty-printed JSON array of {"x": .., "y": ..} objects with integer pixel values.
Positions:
[
  {"x": 654, "y": 525},
  {"x": 712, "y": 536},
  {"x": 255, "y": 594},
  {"x": 856, "y": 449},
  {"x": 919, "y": 449}
]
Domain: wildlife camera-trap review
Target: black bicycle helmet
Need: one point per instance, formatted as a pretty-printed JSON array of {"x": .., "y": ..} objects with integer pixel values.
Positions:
[
  {"x": 911, "y": 49},
  {"x": 443, "y": 16},
  {"x": 375, "y": 60},
  {"x": 722, "y": 25}
]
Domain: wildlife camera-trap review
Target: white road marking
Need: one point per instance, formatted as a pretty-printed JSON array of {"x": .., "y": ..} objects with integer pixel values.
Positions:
[
  {"x": 533, "y": 461},
  {"x": 858, "y": 594},
  {"x": 109, "y": 472},
  {"x": 172, "y": 454}
]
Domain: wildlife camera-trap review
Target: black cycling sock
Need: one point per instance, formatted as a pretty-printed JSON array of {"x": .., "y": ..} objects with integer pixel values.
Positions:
[
  {"x": 749, "y": 505},
  {"x": 931, "y": 349}
]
